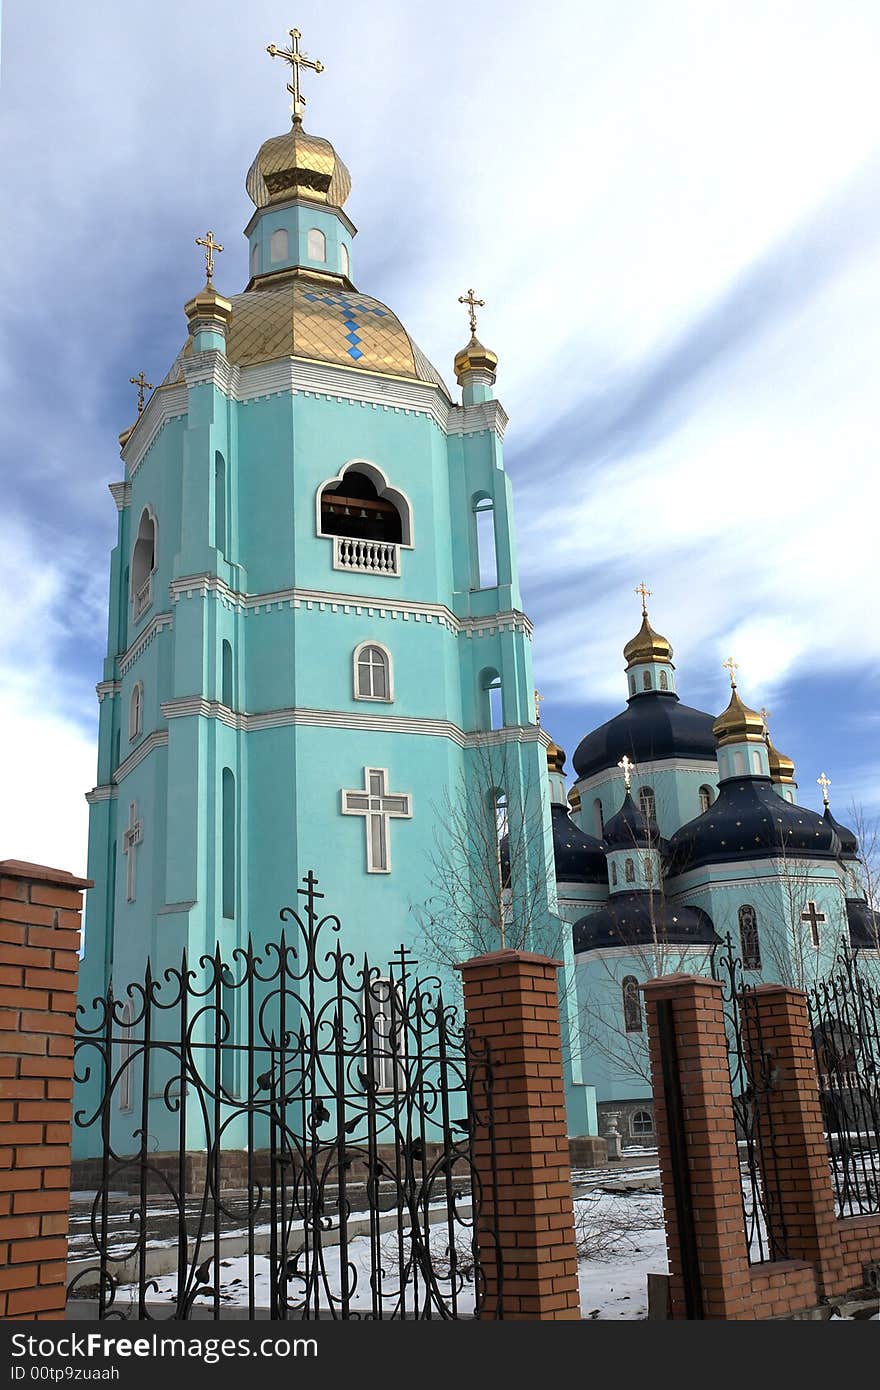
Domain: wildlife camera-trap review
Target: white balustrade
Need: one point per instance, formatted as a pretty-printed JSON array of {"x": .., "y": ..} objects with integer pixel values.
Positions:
[
  {"x": 143, "y": 597},
  {"x": 367, "y": 557}
]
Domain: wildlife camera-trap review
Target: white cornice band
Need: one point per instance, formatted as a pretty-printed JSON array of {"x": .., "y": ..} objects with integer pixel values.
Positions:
[
  {"x": 107, "y": 688},
  {"x": 155, "y": 625}
]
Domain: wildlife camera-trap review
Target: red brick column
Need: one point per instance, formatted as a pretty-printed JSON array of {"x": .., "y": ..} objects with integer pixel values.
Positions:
[
  {"x": 795, "y": 1170},
  {"x": 510, "y": 1000},
  {"x": 696, "y": 1139},
  {"x": 39, "y": 940}
]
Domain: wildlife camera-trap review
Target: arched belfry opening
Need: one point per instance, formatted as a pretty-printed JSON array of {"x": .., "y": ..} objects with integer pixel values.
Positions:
[
  {"x": 354, "y": 507},
  {"x": 143, "y": 563}
]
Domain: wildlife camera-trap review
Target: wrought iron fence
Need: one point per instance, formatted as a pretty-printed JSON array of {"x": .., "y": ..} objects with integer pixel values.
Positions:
[
  {"x": 299, "y": 1131},
  {"x": 751, "y": 1081},
  {"x": 845, "y": 1020}
]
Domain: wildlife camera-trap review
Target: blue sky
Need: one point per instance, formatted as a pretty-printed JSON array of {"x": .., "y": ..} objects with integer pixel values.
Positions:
[{"x": 673, "y": 212}]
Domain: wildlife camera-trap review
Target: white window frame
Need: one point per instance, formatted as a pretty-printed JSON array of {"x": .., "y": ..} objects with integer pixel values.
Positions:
[
  {"x": 316, "y": 232},
  {"x": 389, "y": 672},
  {"x": 394, "y": 1058},
  {"x": 383, "y": 488},
  {"x": 345, "y": 260},
  {"x": 640, "y": 1133}
]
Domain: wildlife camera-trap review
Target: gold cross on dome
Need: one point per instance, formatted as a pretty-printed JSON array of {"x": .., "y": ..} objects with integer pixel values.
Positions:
[
  {"x": 765, "y": 716},
  {"x": 296, "y": 60},
  {"x": 730, "y": 666},
  {"x": 473, "y": 304},
  {"x": 210, "y": 246},
  {"x": 627, "y": 768},
  {"x": 645, "y": 593},
  {"x": 140, "y": 381},
  {"x": 824, "y": 783},
  {"x": 539, "y": 698}
]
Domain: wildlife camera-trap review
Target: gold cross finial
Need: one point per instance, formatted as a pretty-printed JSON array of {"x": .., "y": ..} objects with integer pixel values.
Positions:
[
  {"x": 645, "y": 593},
  {"x": 473, "y": 304},
  {"x": 140, "y": 381},
  {"x": 210, "y": 246},
  {"x": 730, "y": 666},
  {"x": 824, "y": 783},
  {"x": 296, "y": 60},
  {"x": 538, "y": 701},
  {"x": 627, "y": 768}
]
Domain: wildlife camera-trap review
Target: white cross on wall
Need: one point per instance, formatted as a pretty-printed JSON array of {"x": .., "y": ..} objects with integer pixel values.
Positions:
[
  {"x": 131, "y": 838},
  {"x": 378, "y": 806}
]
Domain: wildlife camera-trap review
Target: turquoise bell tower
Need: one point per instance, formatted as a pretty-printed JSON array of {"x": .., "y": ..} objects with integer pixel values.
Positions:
[{"x": 316, "y": 635}]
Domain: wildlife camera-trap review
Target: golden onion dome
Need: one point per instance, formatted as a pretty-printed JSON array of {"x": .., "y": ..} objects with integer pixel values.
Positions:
[
  {"x": 474, "y": 357},
  {"x": 647, "y": 645},
  {"x": 555, "y": 757},
  {"x": 298, "y": 165},
  {"x": 574, "y": 800},
  {"x": 781, "y": 767},
  {"x": 738, "y": 723},
  {"x": 295, "y": 314}
]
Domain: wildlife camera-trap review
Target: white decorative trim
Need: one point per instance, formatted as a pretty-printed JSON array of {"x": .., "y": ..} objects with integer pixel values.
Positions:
[
  {"x": 121, "y": 495},
  {"x": 107, "y": 688},
  {"x": 168, "y": 403},
  {"x": 648, "y": 769},
  {"x": 749, "y": 873},
  {"x": 379, "y": 478},
  {"x": 641, "y": 948},
  {"x": 108, "y": 791},
  {"x": 156, "y": 624},
  {"x": 389, "y": 672},
  {"x": 510, "y": 620},
  {"x": 211, "y": 368},
  {"x": 157, "y": 739},
  {"x": 481, "y": 418},
  {"x": 174, "y": 907}
]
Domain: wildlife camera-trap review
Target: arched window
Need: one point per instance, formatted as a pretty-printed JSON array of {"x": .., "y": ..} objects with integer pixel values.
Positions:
[
  {"x": 344, "y": 260},
  {"x": 598, "y": 817},
  {"x": 632, "y": 685},
  {"x": 629, "y": 871},
  {"x": 739, "y": 765},
  {"x": 613, "y": 873},
  {"x": 649, "y": 869},
  {"x": 632, "y": 1005},
  {"x": 316, "y": 245},
  {"x": 750, "y": 946},
  {"x": 279, "y": 246},
  {"x": 641, "y": 1126},
  {"x": 646, "y": 680},
  {"x": 706, "y": 798},
  {"x": 226, "y": 695},
  {"x": 362, "y": 506},
  {"x": 647, "y": 802},
  {"x": 143, "y": 564},
  {"x": 125, "y": 1051},
  {"x": 136, "y": 711},
  {"x": 664, "y": 681},
  {"x": 372, "y": 672},
  {"x": 492, "y": 716},
  {"x": 484, "y": 536},
  {"x": 220, "y": 537},
  {"x": 228, "y": 840},
  {"x": 255, "y": 260}
]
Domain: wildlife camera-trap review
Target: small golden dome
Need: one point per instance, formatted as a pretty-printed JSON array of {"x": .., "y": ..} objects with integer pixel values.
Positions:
[
  {"x": 555, "y": 757},
  {"x": 781, "y": 767},
  {"x": 738, "y": 723},
  {"x": 207, "y": 310},
  {"x": 297, "y": 165},
  {"x": 474, "y": 358},
  {"x": 647, "y": 645},
  {"x": 574, "y": 799}
]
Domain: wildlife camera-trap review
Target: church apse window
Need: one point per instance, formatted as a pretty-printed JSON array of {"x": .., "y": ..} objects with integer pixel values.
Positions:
[
  {"x": 368, "y": 520},
  {"x": 136, "y": 711},
  {"x": 749, "y": 943},
  {"x": 632, "y": 1005},
  {"x": 372, "y": 672},
  {"x": 629, "y": 871},
  {"x": 706, "y": 798},
  {"x": 143, "y": 564},
  {"x": 486, "y": 563},
  {"x": 279, "y": 246},
  {"x": 646, "y": 680},
  {"x": 664, "y": 681},
  {"x": 316, "y": 245}
]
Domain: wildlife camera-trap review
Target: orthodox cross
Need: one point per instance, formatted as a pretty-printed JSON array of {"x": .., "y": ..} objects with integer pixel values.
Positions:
[
  {"x": 645, "y": 593},
  {"x": 765, "y": 716},
  {"x": 296, "y": 60},
  {"x": 627, "y": 768},
  {"x": 814, "y": 918},
  {"x": 730, "y": 666},
  {"x": 140, "y": 381},
  {"x": 539, "y": 698},
  {"x": 210, "y": 246},
  {"x": 378, "y": 806},
  {"x": 473, "y": 304},
  {"x": 824, "y": 783},
  {"x": 131, "y": 838}
]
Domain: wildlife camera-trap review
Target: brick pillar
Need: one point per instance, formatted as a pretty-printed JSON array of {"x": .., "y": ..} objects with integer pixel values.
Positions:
[
  {"x": 510, "y": 1000},
  {"x": 696, "y": 1139},
  {"x": 792, "y": 1147},
  {"x": 40, "y": 912}
]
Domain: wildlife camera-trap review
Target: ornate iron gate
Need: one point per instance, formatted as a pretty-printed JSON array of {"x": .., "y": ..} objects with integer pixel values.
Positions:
[{"x": 286, "y": 1130}]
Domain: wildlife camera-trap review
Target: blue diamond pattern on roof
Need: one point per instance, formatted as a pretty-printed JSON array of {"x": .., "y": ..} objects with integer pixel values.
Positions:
[{"x": 355, "y": 353}]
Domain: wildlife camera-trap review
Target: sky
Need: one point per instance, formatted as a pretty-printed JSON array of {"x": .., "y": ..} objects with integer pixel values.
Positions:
[{"x": 672, "y": 210}]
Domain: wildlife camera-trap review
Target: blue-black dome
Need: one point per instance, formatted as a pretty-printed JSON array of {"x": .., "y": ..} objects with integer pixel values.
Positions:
[
  {"x": 654, "y": 725},
  {"x": 578, "y": 857},
  {"x": 630, "y": 828},
  {"x": 849, "y": 845},
  {"x": 864, "y": 925},
  {"x": 635, "y": 919},
  {"x": 749, "y": 820}
]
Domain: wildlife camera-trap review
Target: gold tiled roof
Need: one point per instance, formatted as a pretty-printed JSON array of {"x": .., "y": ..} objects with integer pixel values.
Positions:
[
  {"x": 298, "y": 165},
  {"x": 302, "y": 318}
]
